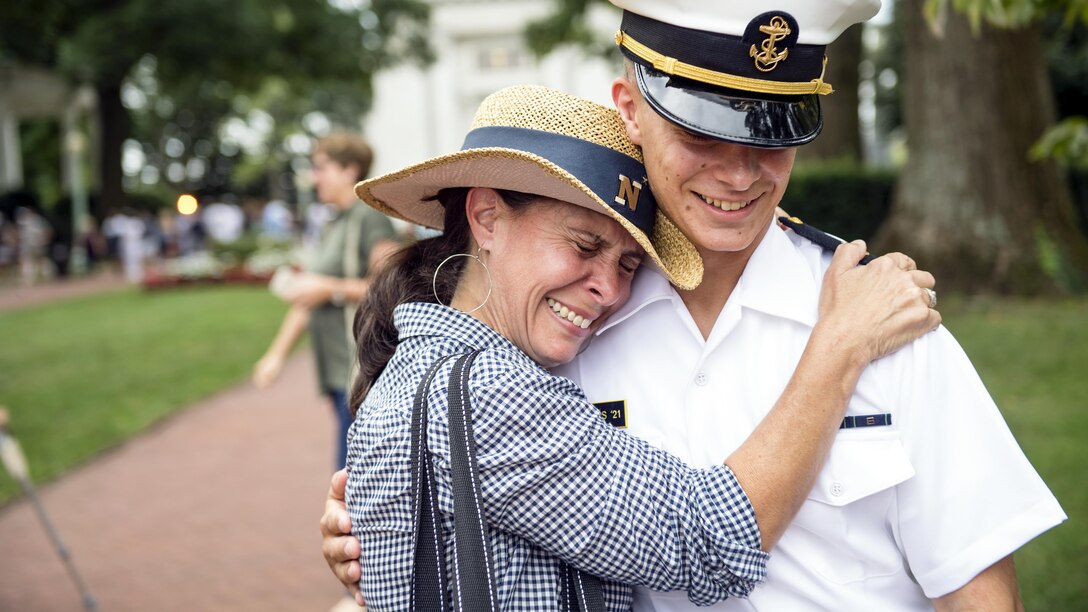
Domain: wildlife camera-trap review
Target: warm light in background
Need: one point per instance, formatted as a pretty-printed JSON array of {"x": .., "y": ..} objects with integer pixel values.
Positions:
[{"x": 186, "y": 204}]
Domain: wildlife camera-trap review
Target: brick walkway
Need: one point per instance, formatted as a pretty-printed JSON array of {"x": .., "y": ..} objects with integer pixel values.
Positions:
[{"x": 215, "y": 509}]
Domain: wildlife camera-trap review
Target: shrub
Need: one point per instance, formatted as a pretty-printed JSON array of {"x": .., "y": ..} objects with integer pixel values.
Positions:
[{"x": 842, "y": 198}]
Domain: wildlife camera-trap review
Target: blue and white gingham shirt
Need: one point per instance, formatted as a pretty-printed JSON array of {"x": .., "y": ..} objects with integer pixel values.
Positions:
[{"x": 558, "y": 483}]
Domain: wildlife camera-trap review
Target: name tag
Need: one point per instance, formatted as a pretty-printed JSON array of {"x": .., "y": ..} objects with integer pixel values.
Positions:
[
  {"x": 614, "y": 413},
  {"x": 866, "y": 420}
]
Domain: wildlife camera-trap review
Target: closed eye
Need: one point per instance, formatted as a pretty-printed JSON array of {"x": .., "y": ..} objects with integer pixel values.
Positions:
[{"x": 630, "y": 264}]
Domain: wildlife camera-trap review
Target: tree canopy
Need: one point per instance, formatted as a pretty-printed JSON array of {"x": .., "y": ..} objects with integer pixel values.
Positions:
[{"x": 206, "y": 54}]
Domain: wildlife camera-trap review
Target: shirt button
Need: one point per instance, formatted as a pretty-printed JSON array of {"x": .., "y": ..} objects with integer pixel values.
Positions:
[
  {"x": 701, "y": 379},
  {"x": 837, "y": 489}
]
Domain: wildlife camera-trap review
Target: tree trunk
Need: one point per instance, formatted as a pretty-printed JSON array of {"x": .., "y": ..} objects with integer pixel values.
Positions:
[
  {"x": 841, "y": 136},
  {"x": 115, "y": 129},
  {"x": 969, "y": 206}
]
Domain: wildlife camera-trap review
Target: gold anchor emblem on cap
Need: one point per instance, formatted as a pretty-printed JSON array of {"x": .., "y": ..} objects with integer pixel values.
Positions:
[{"x": 767, "y": 59}]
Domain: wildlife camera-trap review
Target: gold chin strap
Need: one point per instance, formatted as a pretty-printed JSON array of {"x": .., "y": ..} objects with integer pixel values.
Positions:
[{"x": 670, "y": 65}]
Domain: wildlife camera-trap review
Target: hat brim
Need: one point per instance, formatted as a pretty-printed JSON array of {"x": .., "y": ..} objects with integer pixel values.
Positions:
[
  {"x": 731, "y": 115},
  {"x": 410, "y": 194}
]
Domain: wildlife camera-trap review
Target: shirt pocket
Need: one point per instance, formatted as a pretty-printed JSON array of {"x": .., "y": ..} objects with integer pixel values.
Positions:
[{"x": 843, "y": 530}]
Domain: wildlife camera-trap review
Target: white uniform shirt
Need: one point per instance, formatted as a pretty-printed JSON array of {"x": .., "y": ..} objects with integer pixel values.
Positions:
[{"x": 900, "y": 513}]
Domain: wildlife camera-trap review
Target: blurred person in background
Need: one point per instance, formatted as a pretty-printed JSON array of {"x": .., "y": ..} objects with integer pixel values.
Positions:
[
  {"x": 9, "y": 241},
  {"x": 324, "y": 297},
  {"x": 34, "y": 235},
  {"x": 315, "y": 217},
  {"x": 111, "y": 231},
  {"x": 92, "y": 240},
  {"x": 168, "y": 227},
  {"x": 276, "y": 221},
  {"x": 130, "y": 230},
  {"x": 224, "y": 221}
]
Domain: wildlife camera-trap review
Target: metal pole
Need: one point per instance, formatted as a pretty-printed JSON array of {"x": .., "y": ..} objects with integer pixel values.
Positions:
[
  {"x": 11, "y": 454},
  {"x": 75, "y": 143}
]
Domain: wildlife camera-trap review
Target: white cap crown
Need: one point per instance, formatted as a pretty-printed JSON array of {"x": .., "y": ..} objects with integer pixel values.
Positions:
[{"x": 820, "y": 21}]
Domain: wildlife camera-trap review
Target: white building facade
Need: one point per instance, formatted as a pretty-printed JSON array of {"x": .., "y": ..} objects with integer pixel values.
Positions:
[{"x": 480, "y": 48}]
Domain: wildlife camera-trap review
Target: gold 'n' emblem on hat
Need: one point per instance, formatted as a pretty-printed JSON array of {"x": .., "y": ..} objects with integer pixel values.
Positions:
[
  {"x": 767, "y": 59},
  {"x": 628, "y": 193}
]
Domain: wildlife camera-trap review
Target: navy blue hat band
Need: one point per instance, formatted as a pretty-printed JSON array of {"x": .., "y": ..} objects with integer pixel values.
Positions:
[{"x": 617, "y": 179}]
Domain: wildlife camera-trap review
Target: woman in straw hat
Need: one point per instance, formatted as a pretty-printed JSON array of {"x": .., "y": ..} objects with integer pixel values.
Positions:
[{"x": 546, "y": 215}]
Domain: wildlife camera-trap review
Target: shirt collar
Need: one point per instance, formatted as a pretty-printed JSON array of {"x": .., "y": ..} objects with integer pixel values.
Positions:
[
  {"x": 778, "y": 280},
  {"x": 650, "y": 285},
  {"x": 427, "y": 319}
]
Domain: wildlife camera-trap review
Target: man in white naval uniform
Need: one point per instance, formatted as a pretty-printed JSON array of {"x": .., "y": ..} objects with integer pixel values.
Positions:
[
  {"x": 925, "y": 494},
  {"x": 900, "y": 513}
]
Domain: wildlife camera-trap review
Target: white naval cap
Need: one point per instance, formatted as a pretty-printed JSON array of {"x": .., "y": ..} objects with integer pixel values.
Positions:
[{"x": 749, "y": 73}]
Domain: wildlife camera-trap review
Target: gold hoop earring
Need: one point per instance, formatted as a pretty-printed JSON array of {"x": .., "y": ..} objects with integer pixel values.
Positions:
[{"x": 434, "y": 279}]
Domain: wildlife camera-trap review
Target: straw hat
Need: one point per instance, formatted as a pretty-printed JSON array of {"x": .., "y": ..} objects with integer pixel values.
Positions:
[{"x": 542, "y": 141}]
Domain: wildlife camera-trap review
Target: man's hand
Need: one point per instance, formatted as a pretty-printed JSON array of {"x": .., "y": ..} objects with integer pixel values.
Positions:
[{"x": 340, "y": 548}]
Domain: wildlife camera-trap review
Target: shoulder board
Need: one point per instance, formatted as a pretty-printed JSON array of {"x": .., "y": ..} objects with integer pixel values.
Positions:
[{"x": 818, "y": 237}]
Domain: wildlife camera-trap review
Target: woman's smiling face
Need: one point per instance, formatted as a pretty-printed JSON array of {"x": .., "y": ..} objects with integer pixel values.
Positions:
[{"x": 558, "y": 270}]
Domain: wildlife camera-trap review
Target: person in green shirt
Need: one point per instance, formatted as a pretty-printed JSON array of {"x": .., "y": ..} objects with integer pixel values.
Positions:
[{"x": 325, "y": 296}]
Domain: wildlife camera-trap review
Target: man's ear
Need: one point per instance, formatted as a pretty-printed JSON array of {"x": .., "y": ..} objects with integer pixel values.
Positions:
[
  {"x": 482, "y": 207},
  {"x": 625, "y": 97}
]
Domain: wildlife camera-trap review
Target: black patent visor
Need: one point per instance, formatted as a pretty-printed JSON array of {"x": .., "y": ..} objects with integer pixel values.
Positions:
[{"x": 731, "y": 115}]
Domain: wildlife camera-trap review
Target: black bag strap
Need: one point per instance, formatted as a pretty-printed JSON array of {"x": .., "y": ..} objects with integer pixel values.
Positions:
[
  {"x": 585, "y": 593},
  {"x": 474, "y": 575},
  {"x": 429, "y": 590}
]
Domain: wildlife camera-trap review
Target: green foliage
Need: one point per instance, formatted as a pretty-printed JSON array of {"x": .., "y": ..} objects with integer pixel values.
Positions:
[
  {"x": 842, "y": 198},
  {"x": 82, "y": 376},
  {"x": 201, "y": 55},
  {"x": 1000, "y": 13},
  {"x": 1053, "y": 263},
  {"x": 206, "y": 40},
  {"x": 1066, "y": 142},
  {"x": 565, "y": 25},
  {"x": 1067, "y": 60},
  {"x": 1005, "y": 13},
  {"x": 41, "y": 153},
  {"x": 246, "y": 246},
  {"x": 149, "y": 201},
  {"x": 1077, "y": 10}
]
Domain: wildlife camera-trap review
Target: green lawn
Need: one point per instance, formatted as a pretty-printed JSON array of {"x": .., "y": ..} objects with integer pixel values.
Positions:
[
  {"x": 1033, "y": 357},
  {"x": 82, "y": 376}
]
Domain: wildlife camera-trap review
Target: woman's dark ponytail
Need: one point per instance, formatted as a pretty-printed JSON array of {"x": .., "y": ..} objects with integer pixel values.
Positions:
[{"x": 407, "y": 277}]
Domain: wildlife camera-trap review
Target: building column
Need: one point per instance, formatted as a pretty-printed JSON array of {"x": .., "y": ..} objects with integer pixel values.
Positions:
[
  {"x": 73, "y": 148},
  {"x": 11, "y": 154}
]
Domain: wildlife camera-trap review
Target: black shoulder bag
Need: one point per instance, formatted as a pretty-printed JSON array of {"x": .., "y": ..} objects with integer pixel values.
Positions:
[{"x": 475, "y": 587}]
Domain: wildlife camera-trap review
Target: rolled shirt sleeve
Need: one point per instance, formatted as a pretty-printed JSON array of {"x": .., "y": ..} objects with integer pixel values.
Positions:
[{"x": 556, "y": 474}]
